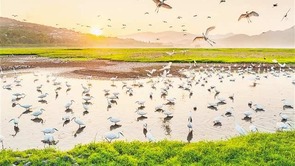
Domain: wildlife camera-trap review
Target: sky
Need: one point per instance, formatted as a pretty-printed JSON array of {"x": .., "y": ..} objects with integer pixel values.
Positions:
[{"x": 224, "y": 16}]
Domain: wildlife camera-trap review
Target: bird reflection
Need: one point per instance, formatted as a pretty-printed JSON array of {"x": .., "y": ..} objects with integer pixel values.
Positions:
[
  {"x": 190, "y": 136},
  {"x": 115, "y": 126},
  {"x": 85, "y": 113},
  {"x": 167, "y": 128},
  {"x": 79, "y": 131},
  {"x": 167, "y": 119},
  {"x": 68, "y": 90},
  {"x": 69, "y": 110},
  {"x": 141, "y": 118},
  {"x": 16, "y": 130},
  {"x": 43, "y": 101},
  {"x": 38, "y": 120},
  {"x": 65, "y": 122}
]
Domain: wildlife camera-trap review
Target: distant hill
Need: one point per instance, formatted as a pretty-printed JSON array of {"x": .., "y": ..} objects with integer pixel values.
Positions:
[
  {"x": 17, "y": 33},
  {"x": 270, "y": 39}
]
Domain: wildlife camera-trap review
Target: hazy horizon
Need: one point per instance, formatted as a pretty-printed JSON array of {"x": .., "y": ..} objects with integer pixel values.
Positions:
[{"x": 68, "y": 14}]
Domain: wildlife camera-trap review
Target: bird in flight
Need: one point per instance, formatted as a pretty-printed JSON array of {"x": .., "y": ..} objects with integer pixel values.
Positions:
[
  {"x": 161, "y": 4},
  {"x": 205, "y": 36},
  {"x": 221, "y": 1},
  {"x": 286, "y": 15},
  {"x": 248, "y": 15}
]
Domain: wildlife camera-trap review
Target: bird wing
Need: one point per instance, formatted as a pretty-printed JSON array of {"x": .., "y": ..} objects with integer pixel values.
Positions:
[
  {"x": 164, "y": 5},
  {"x": 253, "y": 13},
  {"x": 157, "y": 1},
  {"x": 209, "y": 29},
  {"x": 198, "y": 38},
  {"x": 242, "y": 16}
]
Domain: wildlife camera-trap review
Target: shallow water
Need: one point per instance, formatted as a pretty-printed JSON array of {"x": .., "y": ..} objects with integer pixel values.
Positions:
[{"x": 269, "y": 92}]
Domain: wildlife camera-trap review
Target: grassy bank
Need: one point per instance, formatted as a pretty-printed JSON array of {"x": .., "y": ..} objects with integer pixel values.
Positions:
[
  {"x": 225, "y": 55},
  {"x": 253, "y": 149}
]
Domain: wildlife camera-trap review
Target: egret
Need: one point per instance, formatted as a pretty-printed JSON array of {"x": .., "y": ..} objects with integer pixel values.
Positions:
[
  {"x": 253, "y": 128},
  {"x": 68, "y": 105},
  {"x": 258, "y": 107},
  {"x": 205, "y": 36},
  {"x": 161, "y": 4},
  {"x": 287, "y": 104},
  {"x": 171, "y": 101},
  {"x": 14, "y": 121},
  {"x": 87, "y": 98},
  {"x": 281, "y": 126},
  {"x": 168, "y": 113},
  {"x": 49, "y": 130},
  {"x": 79, "y": 122},
  {"x": 159, "y": 107},
  {"x": 27, "y": 107},
  {"x": 217, "y": 121},
  {"x": 284, "y": 116},
  {"x": 140, "y": 113},
  {"x": 229, "y": 111},
  {"x": 240, "y": 129},
  {"x": 48, "y": 138},
  {"x": 43, "y": 96},
  {"x": 38, "y": 113},
  {"x": 111, "y": 136},
  {"x": 140, "y": 103},
  {"x": 190, "y": 125},
  {"x": 247, "y": 15},
  {"x": 19, "y": 95},
  {"x": 114, "y": 120},
  {"x": 113, "y": 79},
  {"x": 148, "y": 133}
]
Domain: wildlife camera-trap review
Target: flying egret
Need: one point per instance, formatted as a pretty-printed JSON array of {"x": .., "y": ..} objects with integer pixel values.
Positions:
[
  {"x": 247, "y": 15},
  {"x": 111, "y": 136},
  {"x": 205, "y": 36},
  {"x": 162, "y": 3},
  {"x": 79, "y": 122}
]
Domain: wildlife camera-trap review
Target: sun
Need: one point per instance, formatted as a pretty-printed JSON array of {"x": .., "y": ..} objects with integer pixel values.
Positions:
[{"x": 96, "y": 31}]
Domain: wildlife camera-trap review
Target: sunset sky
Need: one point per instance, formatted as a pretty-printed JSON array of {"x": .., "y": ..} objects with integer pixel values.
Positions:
[{"x": 70, "y": 13}]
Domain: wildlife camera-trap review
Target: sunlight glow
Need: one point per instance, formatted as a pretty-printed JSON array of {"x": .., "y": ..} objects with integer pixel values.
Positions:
[{"x": 96, "y": 31}]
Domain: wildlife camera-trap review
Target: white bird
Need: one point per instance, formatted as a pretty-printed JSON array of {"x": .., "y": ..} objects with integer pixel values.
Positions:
[
  {"x": 248, "y": 114},
  {"x": 253, "y": 128},
  {"x": 259, "y": 107},
  {"x": 78, "y": 121},
  {"x": 69, "y": 104},
  {"x": 66, "y": 118},
  {"x": 168, "y": 113},
  {"x": 148, "y": 133},
  {"x": 284, "y": 116},
  {"x": 159, "y": 107},
  {"x": 42, "y": 96},
  {"x": 287, "y": 103},
  {"x": 49, "y": 130},
  {"x": 281, "y": 126},
  {"x": 87, "y": 98},
  {"x": 248, "y": 15},
  {"x": 240, "y": 129},
  {"x": 27, "y": 107},
  {"x": 190, "y": 125},
  {"x": 167, "y": 67},
  {"x": 161, "y": 4},
  {"x": 38, "y": 113},
  {"x": 19, "y": 95},
  {"x": 170, "y": 53},
  {"x": 14, "y": 121},
  {"x": 114, "y": 120},
  {"x": 111, "y": 136},
  {"x": 171, "y": 100},
  {"x": 140, "y": 112},
  {"x": 48, "y": 138},
  {"x": 217, "y": 120},
  {"x": 205, "y": 36},
  {"x": 141, "y": 103},
  {"x": 113, "y": 79},
  {"x": 68, "y": 85}
]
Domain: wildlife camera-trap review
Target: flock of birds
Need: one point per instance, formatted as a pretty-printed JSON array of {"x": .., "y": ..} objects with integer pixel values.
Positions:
[
  {"x": 163, "y": 4},
  {"x": 190, "y": 77}
]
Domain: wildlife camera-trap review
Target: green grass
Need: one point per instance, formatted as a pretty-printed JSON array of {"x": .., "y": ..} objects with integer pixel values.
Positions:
[
  {"x": 254, "y": 149},
  {"x": 224, "y": 55}
]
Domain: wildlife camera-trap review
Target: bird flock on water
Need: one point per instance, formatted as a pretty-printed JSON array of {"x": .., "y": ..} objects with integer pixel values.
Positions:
[{"x": 190, "y": 77}]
